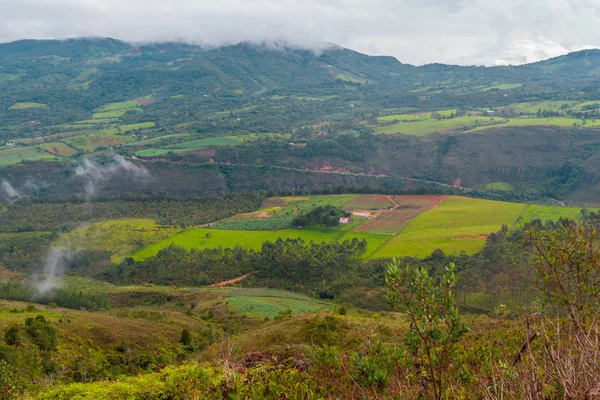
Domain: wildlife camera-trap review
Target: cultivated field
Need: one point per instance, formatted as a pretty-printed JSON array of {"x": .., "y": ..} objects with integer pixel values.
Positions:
[
  {"x": 422, "y": 128},
  {"x": 270, "y": 302},
  {"x": 417, "y": 226},
  {"x": 369, "y": 202},
  {"x": 547, "y": 213},
  {"x": 58, "y": 148},
  {"x": 458, "y": 224}
]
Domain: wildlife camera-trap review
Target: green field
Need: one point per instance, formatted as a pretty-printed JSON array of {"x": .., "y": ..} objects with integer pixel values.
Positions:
[
  {"x": 422, "y": 128},
  {"x": 16, "y": 155},
  {"x": 139, "y": 125},
  {"x": 503, "y": 186},
  {"x": 374, "y": 240},
  {"x": 187, "y": 146},
  {"x": 546, "y": 213},
  {"x": 533, "y": 107},
  {"x": 502, "y": 86},
  {"x": 203, "y": 238},
  {"x": 95, "y": 141},
  {"x": 420, "y": 116},
  {"x": 22, "y": 106},
  {"x": 533, "y": 121},
  {"x": 208, "y": 142},
  {"x": 453, "y": 226},
  {"x": 270, "y": 302},
  {"x": 279, "y": 212},
  {"x": 119, "y": 237},
  {"x": 457, "y": 224},
  {"x": 58, "y": 148}
]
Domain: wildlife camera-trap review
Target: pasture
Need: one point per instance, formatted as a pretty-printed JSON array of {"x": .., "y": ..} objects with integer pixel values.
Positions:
[
  {"x": 95, "y": 141},
  {"x": 428, "y": 126},
  {"x": 17, "y": 154},
  {"x": 369, "y": 202},
  {"x": 58, "y": 148},
  {"x": 502, "y": 86},
  {"x": 458, "y": 224},
  {"x": 547, "y": 213},
  {"x": 534, "y": 121},
  {"x": 26, "y": 105},
  {"x": 269, "y": 303},
  {"x": 533, "y": 107},
  {"x": 119, "y": 237},
  {"x": 416, "y": 227},
  {"x": 419, "y": 116},
  {"x": 204, "y": 238},
  {"x": 279, "y": 212}
]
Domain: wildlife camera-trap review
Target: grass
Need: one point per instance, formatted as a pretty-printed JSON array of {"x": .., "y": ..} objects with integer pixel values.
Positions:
[
  {"x": 368, "y": 202},
  {"x": 203, "y": 238},
  {"x": 419, "y": 116},
  {"x": 139, "y": 125},
  {"x": 119, "y": 237},
  {"x": 348, "y": 77},
  {"x": 281, "y": 217},
  {"x": 533, "y": 107},
  {"x": 503, "y": 186},
  {"x": 502, "y": 86},
  {"x": 270, "y": 302},
  {"x": 374, "y": 240},
  {"x": 208, "y": 142},
  {"x": 547, "y": 213},
  {"x": 114, "y": 113},
  {"x": 427, "y": 126},
  {"x": 58, "y": 148},
  {"x": 534, "y": 121},
  {"x": 23, "y": 106},
  {"x": 18, "y": 154},
  {"x": 92, "y": 142},
  {"x": 453, "y": 226},
  {"x": 158, "y": 152},
  {"x": 188, "y": 146}
]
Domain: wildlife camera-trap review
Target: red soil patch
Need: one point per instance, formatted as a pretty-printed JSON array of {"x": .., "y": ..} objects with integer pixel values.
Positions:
[
  {"x": 273, "y": 202},
  {"x": 470, "y": 237},
  {"x": 204, "y": 152},
  {"x": 146, "y": 102},
  {"x": 235, "y": 280},
  {"x": 406, "y": 209}
]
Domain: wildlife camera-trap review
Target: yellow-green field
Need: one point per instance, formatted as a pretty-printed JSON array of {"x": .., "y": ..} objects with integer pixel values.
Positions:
[
  {"x": 421, "y": 116},
  {"x": 425, "y": 127},
  {"x": 533, "y": 107},
  {"x": 458, "y": 224},
  {"x": 547, "y": 213},
  {"x": 502, "y": 86},
  {"x": 23, "y": 106},
  {"x": 95, "y": 141},
  {"x": 17, "y": 154},
  {"x": 58, "y": 148},
  {"x": 119, "y": 237},
  {"x": 533, "y": 121}
]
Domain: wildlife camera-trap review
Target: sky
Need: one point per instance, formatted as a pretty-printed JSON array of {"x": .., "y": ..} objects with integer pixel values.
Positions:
[{"x": 467, "y": 32}]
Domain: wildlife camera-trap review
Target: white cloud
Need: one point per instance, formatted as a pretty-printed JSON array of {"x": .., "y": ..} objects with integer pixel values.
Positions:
[{"x": 415, "y": 31}]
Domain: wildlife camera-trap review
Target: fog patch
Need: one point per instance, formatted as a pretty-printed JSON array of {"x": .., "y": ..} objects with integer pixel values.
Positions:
[{"x": 96, "y": 174}]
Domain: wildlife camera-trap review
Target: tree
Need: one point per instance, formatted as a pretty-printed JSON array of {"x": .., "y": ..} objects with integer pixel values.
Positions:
[{"x": 435, "y": 325}]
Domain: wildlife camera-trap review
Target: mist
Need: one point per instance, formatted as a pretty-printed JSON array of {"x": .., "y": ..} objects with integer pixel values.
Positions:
[
  {"x": 57, "y": 261},
  {"x": 55, "y": 265},
  {"x": 10, "y": 192},
  {"x": 418, "y": 32},
  {"x": 95, "y": 174}
]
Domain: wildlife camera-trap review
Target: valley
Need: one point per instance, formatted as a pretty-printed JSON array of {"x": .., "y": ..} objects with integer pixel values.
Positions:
[{"x": 258, "y": 222}]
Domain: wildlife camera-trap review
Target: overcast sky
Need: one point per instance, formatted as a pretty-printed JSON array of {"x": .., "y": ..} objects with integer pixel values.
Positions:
[{"x": 415, "y": 31}]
